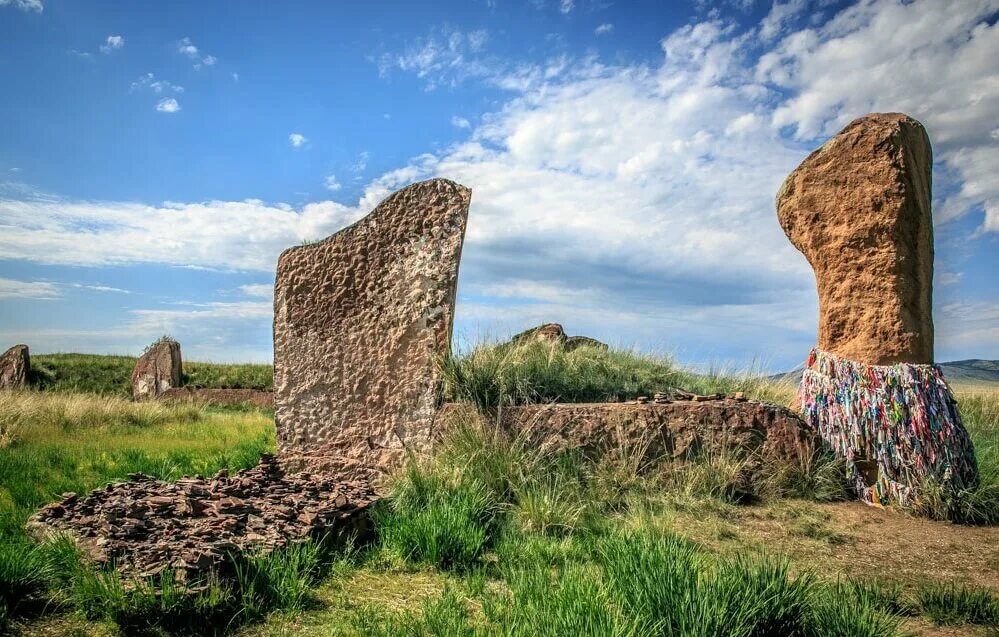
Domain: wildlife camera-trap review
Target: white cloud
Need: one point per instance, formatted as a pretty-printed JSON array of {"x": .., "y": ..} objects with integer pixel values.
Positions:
[
  {"x": 932, "y": 59},
  {"x": 112, "y": 43},
  {"x": 263, "y": 290},
  {"x": 297, "y": 140},
  {"x": 156, "y": 86},
  {"x": 604, "y": 29},
  {"x": 24, "y": 5},
  {"x": 446, "y": 57},
  {"x": 101, "y": 288},
  {"x": 778, "y": 19},
  {"x": 168, "y": 105},
  {"x": 331, "y": 183},
  {"x": 227, "y": 235},
  {"x": 35, "y": 290},
  {"x": 565, "y": 6},
  {"x": 186, "y": 47},
  {"x": 235, "y": 77},
  {"x": 362, "y": 162},
  {"x": 460, "y": 122}
]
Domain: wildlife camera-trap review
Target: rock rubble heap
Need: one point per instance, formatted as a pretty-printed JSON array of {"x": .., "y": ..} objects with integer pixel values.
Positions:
[{"x": 193, "y": 525}]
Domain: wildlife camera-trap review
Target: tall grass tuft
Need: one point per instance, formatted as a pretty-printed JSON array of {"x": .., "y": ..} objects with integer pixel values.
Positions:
[
  {"x": 437, "y": 517},
  {"x": 956, "y": 604},
  {"x": 838, "y": 609},
  {"x": 281, "y": 579},
  {"x": 489, "y": 376}
]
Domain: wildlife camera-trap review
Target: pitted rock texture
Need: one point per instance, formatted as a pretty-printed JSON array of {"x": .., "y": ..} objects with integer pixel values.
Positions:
[
  {"x": 157, "y": 370},
  {"x": 195, "y": 525},
  {"x": 211, "y": 396},
  {"x": 858, "y": 208},
  {"x": 682, "y": 429},
  {"x": 14, "y": 367},
  {"x": 360, "y": 320},
  {"x": 555, "y": 333}
]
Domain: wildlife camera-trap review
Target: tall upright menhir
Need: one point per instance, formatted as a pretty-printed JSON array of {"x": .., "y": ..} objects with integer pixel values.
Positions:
[
  {"x": 858, "y": 208},
  {"x": 360, "y": 321}
]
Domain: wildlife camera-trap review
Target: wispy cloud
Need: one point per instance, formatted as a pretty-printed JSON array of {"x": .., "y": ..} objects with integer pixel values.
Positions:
[
  {"x": 36, "y": 290},
  {"x": 263, "y": 290},
  {"x": 149, "y": 81},
  {"x": 331, "y": 183},
  {"x": 24, "y": 5},
  {"x": 168, "y": 105},
  {"x": 566, "y": 6},
  {"x": 297, "y": 140},
  {"x": 604, "y": 29},
  {"x": 460, "y": 122},
  {"x": 112, "y": 43}
]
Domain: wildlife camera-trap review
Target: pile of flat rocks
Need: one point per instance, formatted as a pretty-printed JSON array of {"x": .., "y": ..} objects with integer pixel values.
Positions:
[{"x": 192, "y": 525}]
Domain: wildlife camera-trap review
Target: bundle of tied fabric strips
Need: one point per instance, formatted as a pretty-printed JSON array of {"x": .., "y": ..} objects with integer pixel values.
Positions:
[{"x": 897, "y": 426}]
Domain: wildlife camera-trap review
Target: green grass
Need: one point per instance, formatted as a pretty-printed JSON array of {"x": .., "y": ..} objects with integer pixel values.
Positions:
[
  {"x": 112, "y": 375},
  {"x": 489, "y": 536},
  {"x": 76, "y": 442}
]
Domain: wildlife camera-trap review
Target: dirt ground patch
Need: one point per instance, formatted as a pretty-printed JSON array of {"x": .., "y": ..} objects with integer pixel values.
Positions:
[{"x": 850, "y": 538}]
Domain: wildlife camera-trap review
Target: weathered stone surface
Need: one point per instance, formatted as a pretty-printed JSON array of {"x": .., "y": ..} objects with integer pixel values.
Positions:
[
  {"x": 555, "y": 333},
  {"x": 14, "y": 367},
  {"x": 360, "y": 320},
  {"x": 157, "y": 370},
  {"x": 211, "y": 396},
  {"x": 547, "y": 332},
  {"x": 858, "y": 208},
  {"x": 193, "y": 525},
  {"x": 680, "y": 429}
]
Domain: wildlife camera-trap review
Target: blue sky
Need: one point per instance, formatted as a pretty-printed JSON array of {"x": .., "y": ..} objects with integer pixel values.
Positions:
[{"x": 157, "y": 157}]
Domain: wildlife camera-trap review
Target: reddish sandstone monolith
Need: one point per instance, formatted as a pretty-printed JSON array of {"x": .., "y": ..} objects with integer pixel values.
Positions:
[{"x": 858, "y": 208}]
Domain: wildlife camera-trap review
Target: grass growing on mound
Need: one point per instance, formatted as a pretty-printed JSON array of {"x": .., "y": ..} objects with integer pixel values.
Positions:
[
  {"x": 490, "y": 375},
  {"x": 112, "y": 375}
]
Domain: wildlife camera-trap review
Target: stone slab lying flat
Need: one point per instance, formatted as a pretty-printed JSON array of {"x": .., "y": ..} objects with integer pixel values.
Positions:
[
  {"x": 678, "y": 429},
  {"x": 146, "y": 525},
  {"x": 360, "y": 320}
]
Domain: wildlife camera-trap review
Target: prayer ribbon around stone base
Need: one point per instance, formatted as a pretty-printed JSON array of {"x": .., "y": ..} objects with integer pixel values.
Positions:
[{"x": 897, "y": 426}]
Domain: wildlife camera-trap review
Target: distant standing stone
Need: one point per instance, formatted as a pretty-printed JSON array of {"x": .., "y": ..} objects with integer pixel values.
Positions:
[
  {"x": 157, "y": 370},
  {"x": 858, "y": 208},
  {"x": 360, "y": 321},
  {"x": 14, "y": 366}
]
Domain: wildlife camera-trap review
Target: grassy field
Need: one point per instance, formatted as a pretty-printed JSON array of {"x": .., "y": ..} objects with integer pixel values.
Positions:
[
  {"x": 490, "y": 537},
  {"x": 112, "y": 375}
]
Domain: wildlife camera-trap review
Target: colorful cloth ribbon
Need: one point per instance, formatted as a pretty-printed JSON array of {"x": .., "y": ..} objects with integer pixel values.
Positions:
[{"x": 897, "y": 426}]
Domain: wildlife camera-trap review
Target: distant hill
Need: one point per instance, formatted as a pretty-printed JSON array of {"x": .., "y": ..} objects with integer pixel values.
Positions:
[{"x": 974, "y": 370}]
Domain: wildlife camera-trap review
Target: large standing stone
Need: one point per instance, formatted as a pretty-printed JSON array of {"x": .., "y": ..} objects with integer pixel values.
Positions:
[
  {"x": 360, "y": 321},
  {"x": 157, "y": 370},
  {"x": 14, "y": 366},
  {"x": 858, "y": 208}
]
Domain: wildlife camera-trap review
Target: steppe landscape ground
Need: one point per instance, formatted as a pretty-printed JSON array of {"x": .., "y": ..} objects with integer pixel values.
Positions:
[{"x": 490, "y": 536}]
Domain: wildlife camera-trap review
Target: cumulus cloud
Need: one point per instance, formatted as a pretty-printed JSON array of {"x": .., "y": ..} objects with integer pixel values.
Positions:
[
  {"x": 331, "y": 183},
  {"x": 24, "y": 5},
  {"x": 932, "y": 59},
  {"x": 168, "y": 105},
  {"x": 36, "y": 290},
  {"x": 112, "y": 43},
  {"x": 297, "y": 140},
  {"x": 460, "y": 122}
]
